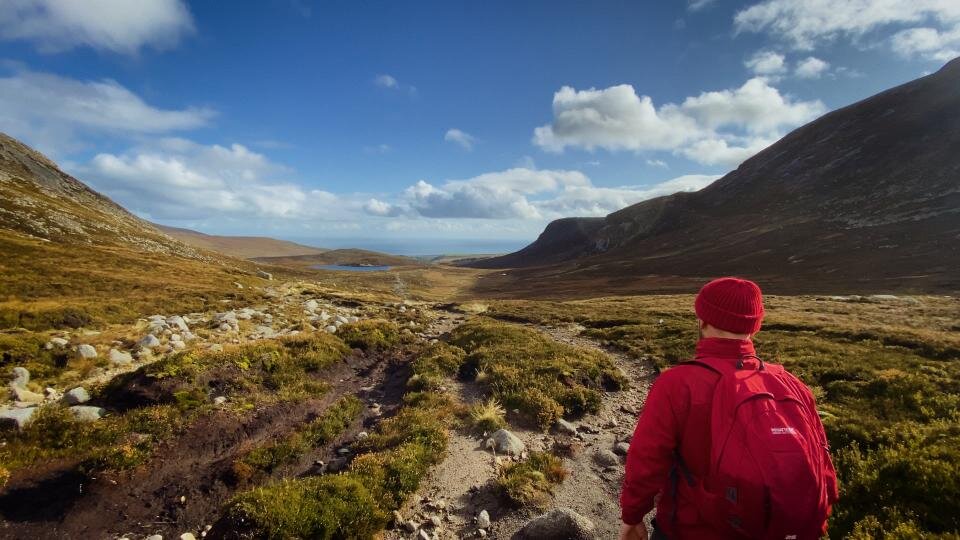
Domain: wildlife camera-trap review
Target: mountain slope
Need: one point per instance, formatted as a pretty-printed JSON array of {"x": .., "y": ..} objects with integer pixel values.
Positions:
[
  {"x": 865, "y": 198},
  {"x": 72, "y": 257},
  {"x": 344, "y": 257},
  {"x": 241, "y": 247}
]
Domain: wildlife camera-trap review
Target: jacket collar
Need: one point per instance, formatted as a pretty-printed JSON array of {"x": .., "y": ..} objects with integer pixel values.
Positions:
[{"x": 724, "y": 348}]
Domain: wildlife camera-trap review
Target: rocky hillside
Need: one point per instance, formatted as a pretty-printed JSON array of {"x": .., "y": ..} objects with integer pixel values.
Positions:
[
  {"x": 865, "y": 198},
  {"x": 39, "y": 200},
  {"x": 241, "y": 247}
]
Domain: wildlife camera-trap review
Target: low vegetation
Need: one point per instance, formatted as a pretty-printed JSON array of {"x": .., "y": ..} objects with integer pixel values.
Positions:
[
  {"x": 372, "y": 335},
  {"x": 531, "y": 482},
  {"x": 390, "y": 465},
  {"x": 525, "y": 370},
  {"x": 886, "y": 372},
  {"x": 487, "y": 416}
]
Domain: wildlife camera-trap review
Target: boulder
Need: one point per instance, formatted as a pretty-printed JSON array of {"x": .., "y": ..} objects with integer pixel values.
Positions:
[
  {"x": 621, "y": 448},
  {"x": 606, "y": 458},
  {"x": 86, "y": 351},
  {"x": 20, "y": 377},
  {"x": 331, "y": 328},
  {"x": 219, "y": 400},
  {"x": 187, "y": 536},
  {"x": 156, "y": 328},
  {"x": 341, "y": 319},
  {"x": 76, "y": 396},
  {"x": 311, "y": 305},
  {"x": 507, "y": 443},
  {"x": 86, "y": 413},
  {"x": 565, "y": 427},
  {"x": 57, "y": 342},
  {"x": 178, "y": 322},
  {"x": 558, "y": 524},
  {"x": 178, "y": 345},
  {"x": 16, "y": 418},
  {"x": 265, "y": 331},
  {"x": 120, "y": 358},
  {"x": 149, "y": 341},
  {"x": 265, "y": 275}
]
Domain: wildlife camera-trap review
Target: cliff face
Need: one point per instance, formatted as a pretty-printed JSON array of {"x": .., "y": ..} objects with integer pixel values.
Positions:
[{"x": 867, "y": 193}]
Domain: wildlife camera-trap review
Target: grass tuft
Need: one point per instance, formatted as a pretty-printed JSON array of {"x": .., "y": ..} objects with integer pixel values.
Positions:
[
  {"x": 531, "y": 482},
  {"x": 487, "y": 416}
]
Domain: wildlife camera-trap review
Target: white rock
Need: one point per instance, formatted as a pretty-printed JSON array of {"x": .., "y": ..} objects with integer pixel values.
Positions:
[
  {"x": 505, "y": 442},
  {"x": 265, "y": 275},
  {"x": 21, "y": 376},
  {"x": 187, "y": 536},
  {"x": 176, "y": 337},
  {"x": 225, "y": 327},
  {"x": 324, "y": 315},
  {"x": 76, "y": 396},
  {"x": 219, "y": 400},
  {"x": 216, "y": 347},
  {"x": 86, "y": 413},
  {"x": 16, "y": 418},
  {"x": 178, "y": 322},
  {"x": 155, "y": 537},
  {"x": 341, "y": 319},
  {"x": 332, "y": 329},
  {"x": 353, "y": 319},
  {"x": 566, "y": 427},
  {"x": 311, "y": 305},
  {"x": 86, "y": 351},
  {"x": 178, "y": 345},
  {"x": 483, "y": 520},
  {"x": 120, "y": 358},
  {"x": 149, "y": 341}
]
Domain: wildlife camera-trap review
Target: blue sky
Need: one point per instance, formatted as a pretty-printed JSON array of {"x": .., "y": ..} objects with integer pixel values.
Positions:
[{"x": 341, "y": 121}]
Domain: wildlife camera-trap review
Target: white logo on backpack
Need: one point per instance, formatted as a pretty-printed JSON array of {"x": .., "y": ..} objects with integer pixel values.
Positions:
[{"x": 783, "y": 430}]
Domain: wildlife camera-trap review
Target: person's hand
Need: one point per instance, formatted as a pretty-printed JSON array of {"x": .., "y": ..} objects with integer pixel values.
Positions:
[{"x": 633, "y": 532}]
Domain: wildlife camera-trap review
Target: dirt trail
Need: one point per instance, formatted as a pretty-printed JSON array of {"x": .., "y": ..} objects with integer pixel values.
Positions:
[
  {"x": 196, "y": 465},
  {"x": 464, "y": 480}
]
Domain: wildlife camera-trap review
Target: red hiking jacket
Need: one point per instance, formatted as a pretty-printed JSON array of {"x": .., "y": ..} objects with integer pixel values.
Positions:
[{"x": 676, "y": 416}]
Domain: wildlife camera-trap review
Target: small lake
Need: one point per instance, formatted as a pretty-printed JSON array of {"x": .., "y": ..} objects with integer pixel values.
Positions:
[{"x": 347, "y": 268}]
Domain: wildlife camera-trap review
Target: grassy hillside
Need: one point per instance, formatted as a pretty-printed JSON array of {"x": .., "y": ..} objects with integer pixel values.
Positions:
[{"x": 242, "y": 247}]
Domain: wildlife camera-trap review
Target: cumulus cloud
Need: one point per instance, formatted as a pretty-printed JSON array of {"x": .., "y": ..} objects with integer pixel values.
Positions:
[
  {"x": 464, "y": 139},
  {"x": 616, "y": 118},
  {"x": 804, "y": 25},
  {"x": 180, "y": 179},
  {"x": 390, "y": 82},
  {"x": 811, "y": 67},
  {"x": 51, "y": 111},
  {"x": 523, "y": 194},
  {"x": 697, "y": 5},
  {"x": 119, "y": 26},
  {"x": 766, "y": 63},
  {"x": 927, "y": 43}
]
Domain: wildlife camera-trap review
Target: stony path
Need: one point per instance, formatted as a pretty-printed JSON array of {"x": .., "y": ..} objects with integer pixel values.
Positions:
[{"x": 460, "y": 487}]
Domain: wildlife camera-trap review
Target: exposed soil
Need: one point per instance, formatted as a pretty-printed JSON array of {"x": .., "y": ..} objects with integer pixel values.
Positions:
[{"x": 184, "y": 487}]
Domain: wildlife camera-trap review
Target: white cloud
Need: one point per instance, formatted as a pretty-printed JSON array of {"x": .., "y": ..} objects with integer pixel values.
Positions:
[
  {"x": 464, "y": 139},
  {"x": 657, "y": 163},
  {"x": 697, "y": 5},
  {"x": 766, "y": 63},
  {"x": 523, "y": 194},
  {"x": 179, "y": 179},
  {"x": 120, "y": 26},
  {"x": 928, "y": 43},
  {"x": 52, "y": 111},
  {"x": 811, "y": 68},
  {"x": 382, "y": 148},
  {"x": 390, "y": 82},
  {"x": 804, "y": 25},
  {"x": 616, "y": 118}
]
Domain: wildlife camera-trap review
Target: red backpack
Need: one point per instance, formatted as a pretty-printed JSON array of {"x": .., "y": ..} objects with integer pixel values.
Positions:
[{"x": 770, "y": 472}]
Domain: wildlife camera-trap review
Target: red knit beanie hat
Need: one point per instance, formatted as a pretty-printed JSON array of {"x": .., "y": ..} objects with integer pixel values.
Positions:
[{"x": 731, "y": 304}]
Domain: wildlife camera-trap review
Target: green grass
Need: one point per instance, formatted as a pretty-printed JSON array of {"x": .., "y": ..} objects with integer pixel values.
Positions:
[
  {"x": 372, "y": 335},
  {"x": 526, "y": 370},
  {"x": 487, "y": 416},
  {"x": 324, "y": 429},
  {"x": 531, "y": 482},
  {"x": 886, "y": 375},
  {"x": 391, "y": 463}
]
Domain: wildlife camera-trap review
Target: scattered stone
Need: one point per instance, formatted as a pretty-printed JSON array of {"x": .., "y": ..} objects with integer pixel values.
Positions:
[
  {"x": 558, "y": 524},
  {"x": 187, "y": 536},
  {"x": 265, "y": 275},
  {"x": 155, "y": 537},
  {"x": 76, "y": 396},
  {"x": 424, "y": 535},
  {"x": 20, "y": 377},
  {"x": 587, "y": 428},
  {"x": 225, "y": 327},
  {"x": 149, "y": 341},
  {"x": 86, "y": 413},
  {"x": 179, "y": 322},
  {"x": 352, "y": 320},
  {"x": 119, "y": 358},
  {"x": 86, "y": 351},
  {"x": 237, "y": 285},
  {"x": 16, "y": 418},
  {"x": 331, "y": 329},
  {"x": 629, "y": 409},
  {"x": 265, "y": 331},
  {"x": 311, "y": 305},
  {"x": 216, "y": 347},
  {"x": 341, "y": 319},
  {"x": 606, "y": 458},
  {"x": 505, "y": 442},
  {"x": 621, "y": 448},
  {"x": 178, "y": 345},
  {"x": 362, "y": 435},
  {"x": 175, "y": 337},
  {"x": 566, "y": 427},
  {"x": 411, "y": 526},
  {"x": 481, "y": 533},
  {"x": 483, "y": 520},
  {"x": 219, "y": 400},
  {"x": 25, "y": 396},
  {"x": 436, "y": 521}
]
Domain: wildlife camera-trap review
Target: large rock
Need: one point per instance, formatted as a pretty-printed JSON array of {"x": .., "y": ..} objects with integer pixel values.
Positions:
[
  {"x": 264, "y": 275},
  {"x": 57, "y": 342},
  {"x": 76, "y": 396},
  {"x": 86, "y": 351},
  {"x": 178, "y": 322},
  {"x": 16, "y": 418},
  {"x": 504, "y": 442},
  {"x": 120, "y": 358},
  {"x": 149, "y": 341},
  {"x": 20, "y": 377},
  {"x": 565, "y": 427},
  {"x": 86, "y": 413},
  {"x": 606, "y": 458},
  {"x": 558, "y": 524}
]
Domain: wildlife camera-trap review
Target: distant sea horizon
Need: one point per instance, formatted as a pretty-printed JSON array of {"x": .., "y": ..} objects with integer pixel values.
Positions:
[{"x": 416, "y": 247}]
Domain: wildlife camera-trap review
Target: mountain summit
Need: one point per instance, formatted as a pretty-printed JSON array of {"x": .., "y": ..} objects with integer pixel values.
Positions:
[{"x": 865, "y": 197}]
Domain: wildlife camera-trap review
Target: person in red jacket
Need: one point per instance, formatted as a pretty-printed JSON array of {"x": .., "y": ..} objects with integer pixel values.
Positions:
[{"x": 674, "y": 428}]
